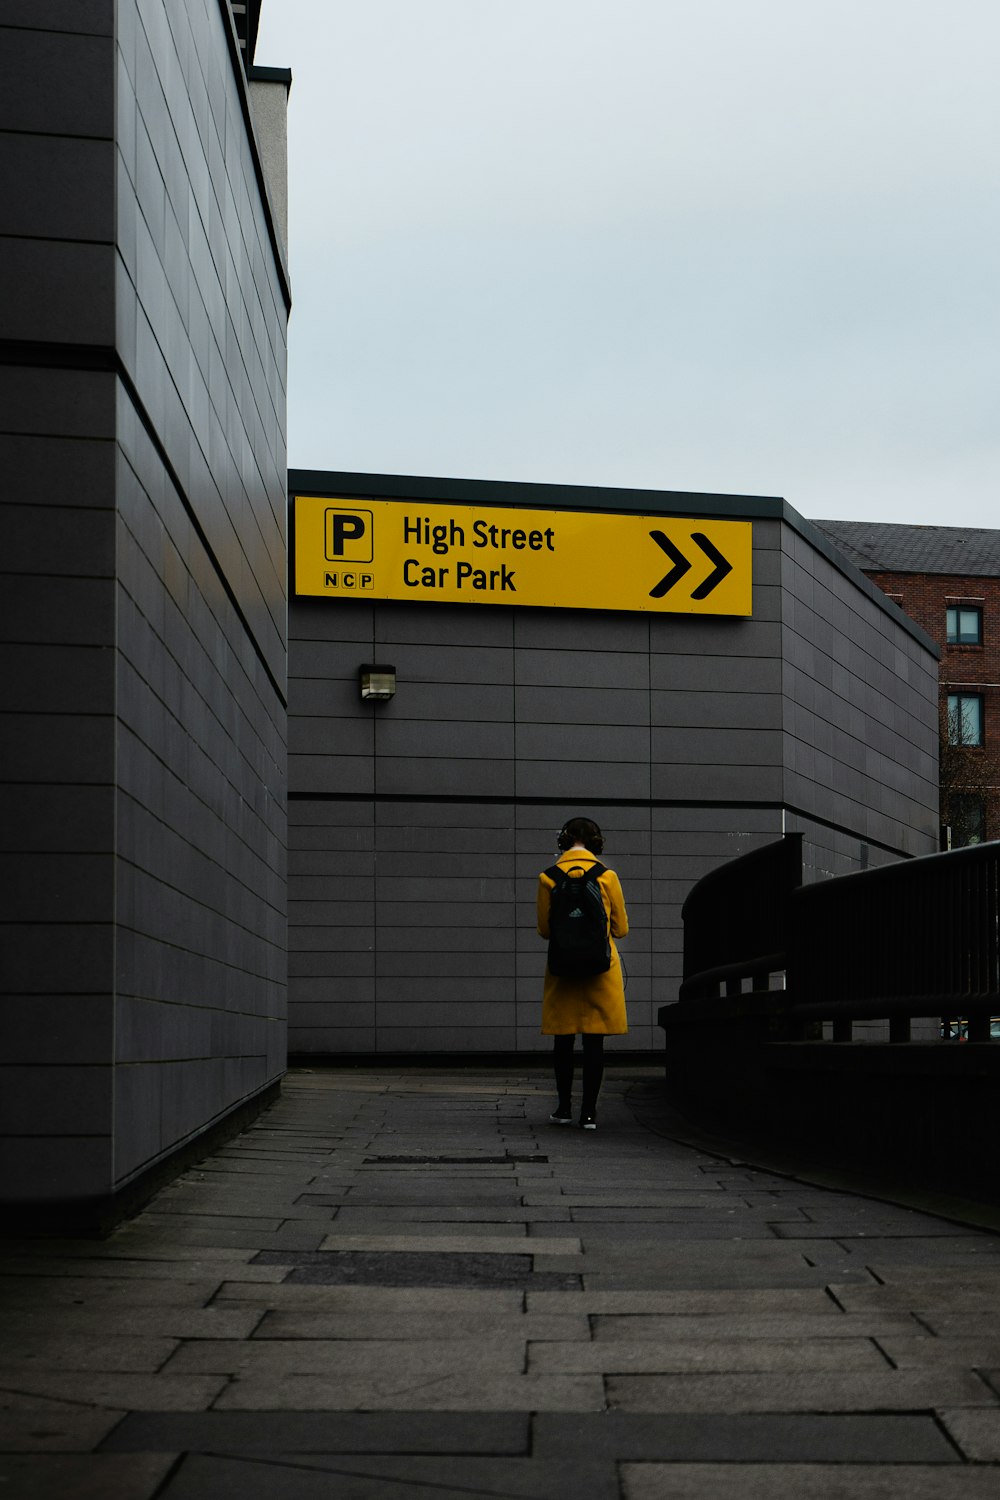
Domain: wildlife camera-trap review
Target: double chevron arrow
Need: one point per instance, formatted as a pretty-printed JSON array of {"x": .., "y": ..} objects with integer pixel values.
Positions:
[{"x": 681, "y": 565}]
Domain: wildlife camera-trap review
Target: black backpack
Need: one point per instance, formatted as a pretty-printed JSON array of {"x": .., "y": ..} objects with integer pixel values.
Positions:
[{"x": 579, "y": 943}]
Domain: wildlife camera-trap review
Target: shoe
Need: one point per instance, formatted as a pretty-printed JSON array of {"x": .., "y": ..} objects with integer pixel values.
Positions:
[
  {"x": 588, "y": 1122},
  {"x": 561, "y": 1116}
]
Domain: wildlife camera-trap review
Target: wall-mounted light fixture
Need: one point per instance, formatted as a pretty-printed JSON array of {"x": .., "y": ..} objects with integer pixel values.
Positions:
[{"x": 378, "y": 682}]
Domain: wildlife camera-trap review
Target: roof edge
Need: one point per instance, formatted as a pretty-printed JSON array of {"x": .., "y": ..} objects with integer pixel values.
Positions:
[{"x": 598, "y": 497}]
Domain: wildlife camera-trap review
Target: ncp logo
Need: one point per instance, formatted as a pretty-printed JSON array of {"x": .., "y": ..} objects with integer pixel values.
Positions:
[{"x": 349, "y": 534}]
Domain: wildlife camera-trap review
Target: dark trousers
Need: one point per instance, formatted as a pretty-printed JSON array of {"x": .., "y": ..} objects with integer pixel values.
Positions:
[{"x": 593, "y": 1069}]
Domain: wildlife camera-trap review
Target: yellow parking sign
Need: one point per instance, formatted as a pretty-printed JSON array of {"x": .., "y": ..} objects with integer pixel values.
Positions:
[{"x": 484, "y": 554}]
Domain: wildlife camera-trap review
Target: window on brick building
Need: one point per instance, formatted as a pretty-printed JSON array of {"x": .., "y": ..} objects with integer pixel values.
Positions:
[
  {"x": 968, "y": 820},
  {"x": 964, "y": 625},
  {"x": 965, "y": 718}
]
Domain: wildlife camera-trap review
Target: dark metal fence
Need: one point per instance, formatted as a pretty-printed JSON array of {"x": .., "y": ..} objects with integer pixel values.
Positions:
[
  {"x": 912, "y": 939},
  {"x": 915, "y": 938},
  {"x": 736, "y": 920}
]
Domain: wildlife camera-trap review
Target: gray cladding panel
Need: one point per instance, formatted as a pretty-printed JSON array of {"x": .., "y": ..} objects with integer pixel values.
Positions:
[
  {"x": 323, "y": 620},
  {"x": 90, "y": 17},
  {"x": 55, "y": 187},
  {"x": 476, "y": 665},
  {"x": 860, "y": 715},
  {"x": 709, "y": 710},
  {"x": 714, "y": 746},
  {"x": 584, "y": 782},
  {"x": 57, "y": 82},
  {"x": 441, "y": 777},
  {"x": 442, "y": 625},
  {"x": 604, "y": 743},
  {"x": 582, "y": 705},
  {"x": 580, "y": 630},
  {"x": 57, "y": 404},
  {"x": 746, "y": 674},
  {"x": 201, "y": 299},
  {"x": 45, "y": 470},
  {"x": 65, "y": 291},
  {"x": 425, "y": 738},
  {"x": 582, "y": 668}
]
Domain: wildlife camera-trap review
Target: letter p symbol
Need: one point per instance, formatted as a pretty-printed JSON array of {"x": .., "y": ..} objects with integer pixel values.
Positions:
[{"x": 349, "y": 535}]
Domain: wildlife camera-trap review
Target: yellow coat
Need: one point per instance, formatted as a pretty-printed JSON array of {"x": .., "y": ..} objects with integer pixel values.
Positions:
[{"x": 598, "y": 1002}]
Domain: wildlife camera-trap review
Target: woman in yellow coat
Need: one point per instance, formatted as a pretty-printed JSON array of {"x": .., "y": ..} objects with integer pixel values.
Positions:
[{"x": 593, "y": 1006}]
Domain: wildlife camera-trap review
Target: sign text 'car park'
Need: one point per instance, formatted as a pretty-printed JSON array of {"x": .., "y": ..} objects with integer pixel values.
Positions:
[{"x": 568, "y": 559}]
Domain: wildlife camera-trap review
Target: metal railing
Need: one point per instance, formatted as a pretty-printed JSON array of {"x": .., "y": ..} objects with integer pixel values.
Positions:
[
  {"x": 915, "y": 938},
  {"x": 736, "y": 920}
]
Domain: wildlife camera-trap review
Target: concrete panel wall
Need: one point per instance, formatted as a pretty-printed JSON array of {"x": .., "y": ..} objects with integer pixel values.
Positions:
[
  {"x": 859, "y": 715},
  {"x": 418, "y": 826},
  {"x": 142, "y": 365},
  {"x": 200, "y": 1002},
  {"x": 57, "y": 617}
]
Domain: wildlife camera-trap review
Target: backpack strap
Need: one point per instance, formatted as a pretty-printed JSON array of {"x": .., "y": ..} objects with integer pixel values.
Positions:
[{"x": 558, "y": 872}]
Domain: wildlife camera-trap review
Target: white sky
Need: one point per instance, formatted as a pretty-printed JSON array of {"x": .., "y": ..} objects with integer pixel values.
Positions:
[{"x": 747, "y": 246}]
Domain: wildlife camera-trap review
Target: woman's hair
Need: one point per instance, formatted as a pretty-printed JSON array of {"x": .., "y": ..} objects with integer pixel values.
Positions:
[{"x": 581, "y": 831}]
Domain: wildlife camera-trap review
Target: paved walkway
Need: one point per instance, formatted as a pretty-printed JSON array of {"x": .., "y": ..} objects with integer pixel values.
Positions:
[{"x": 407, "y": 1284}]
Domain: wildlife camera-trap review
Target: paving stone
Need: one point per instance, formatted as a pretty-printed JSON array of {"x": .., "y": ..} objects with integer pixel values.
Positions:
[
  {"x": 985, "y": 1322},
  {"x": 749, "y": 1326},
  {"x": 414, "y": 1193},
  {"x": 415, "y": 1325},
  {"x": 727, "y": 1255},
  {"x": 599, "y": 1237},
  {"x": 537, "y": 1198},
  {"x": 300, "y": 1235},
  {"x": 360, "y": 1220},
  {"x": 455, "y": 1243},
  {"x": 909, "y": 1232},
  {"x": 97, "y": 1352},
  {"x": 185, "y": 1265},
  {"x": 804, "y": 1482},
  {"x": 419, "y": 1392},
  {"x": 109, "y": 1389},
  {"x": 295, "y": 1209},
  {"x": 220, "y": 1224},
  {"x": 715, "y": 1213},
  {"x": 899, "y": 1255},
  {"x": 507, "y": 1478},
  {"x": 340, "y": 1358},
  {"x": 977, "y": 1434},
  {"x": 969, "y": 1352},
  {"x": 741, "y": 1438},
  {"x": 958, "y": 1294},
  {"x": 209, "y": 1477},
  {"x": 689, "y": 1301},
  {"x": 132, "y": 1246},
  {"x": 500, "y": 1302},
  {"x": 108, "y": 1290},
  {"x": 214, "y": 1322},
  {"x": 250, "y": 1168},
  {"x": 450, "y": 1268},
  {"x": 51, "y": 1427},
  {"x": 648, "y": 1356},
  {"x": 892, "y": 1390},
  {"x": 708, "y": 1278},
  {"x": 111, "y": 1476}
]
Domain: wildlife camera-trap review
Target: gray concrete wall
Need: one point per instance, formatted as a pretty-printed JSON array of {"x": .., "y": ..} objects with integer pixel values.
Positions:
[
  {"x": 418, "y": 826},
  {"x": 142, "y": 359},
  {"x": 860, "y": 727}
]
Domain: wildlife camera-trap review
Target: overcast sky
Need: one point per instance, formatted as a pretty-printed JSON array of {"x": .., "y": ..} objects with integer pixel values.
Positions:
[{"x": 747, "y": 246}]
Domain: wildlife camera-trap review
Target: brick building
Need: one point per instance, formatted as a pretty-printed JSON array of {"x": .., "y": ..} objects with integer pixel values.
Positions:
[{"x": 947, "y": 578}]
